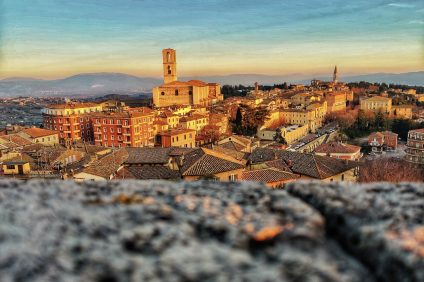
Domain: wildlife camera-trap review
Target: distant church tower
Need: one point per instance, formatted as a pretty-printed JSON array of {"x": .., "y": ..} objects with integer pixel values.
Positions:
[
  {"x": 169, "y": 65},
  {"x": 335, "y": 75}
]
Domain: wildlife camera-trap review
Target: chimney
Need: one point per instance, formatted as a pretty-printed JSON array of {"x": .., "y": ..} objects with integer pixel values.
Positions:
[{"x": 289, "y": 163}]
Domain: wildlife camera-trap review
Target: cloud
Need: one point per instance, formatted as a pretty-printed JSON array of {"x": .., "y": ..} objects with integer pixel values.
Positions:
[
  {"x": 401, "y": 5},
  {"x": 417, "y": 22}
]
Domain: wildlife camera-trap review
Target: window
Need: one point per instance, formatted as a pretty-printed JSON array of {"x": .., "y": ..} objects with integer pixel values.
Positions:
[
  {"x": 111, "y": 130},
  {"x": 169, "y": 70},
  {"x": 111, "y": 121},
  {"x": 190, "y": 92},
  {"x": 119, "y": 130},
  {"x": 104, "y": 121},
  {"x": 162, "y": 93},
  {"x": 10, "y": 166},
  {"x": 176, "y": 92},
  {"x": 232, "y": 177}
]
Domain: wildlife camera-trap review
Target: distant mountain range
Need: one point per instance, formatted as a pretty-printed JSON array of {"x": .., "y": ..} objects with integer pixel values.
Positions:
[{"x": 93, "y": 84}]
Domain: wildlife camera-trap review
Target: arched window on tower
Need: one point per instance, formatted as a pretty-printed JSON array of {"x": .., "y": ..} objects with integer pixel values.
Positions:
[
  {"x": 176, "y": 92},
  {"x": 162, "y": 93},
  {"x": 168, "y": 56},
  {"x": 169, "y": 70}
]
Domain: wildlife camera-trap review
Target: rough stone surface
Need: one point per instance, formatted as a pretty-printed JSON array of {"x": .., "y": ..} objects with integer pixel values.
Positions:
[
  {"x": 149, "y": 231},
  {"x": 381, "y": 224}
]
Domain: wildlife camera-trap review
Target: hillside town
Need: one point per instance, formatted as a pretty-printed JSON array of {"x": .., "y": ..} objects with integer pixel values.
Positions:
[{"x": 193, "y": 130}]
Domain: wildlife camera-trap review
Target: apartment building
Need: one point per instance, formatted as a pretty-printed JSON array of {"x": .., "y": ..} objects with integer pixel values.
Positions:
[
  {"x": 130, "y": 128},
  {"x": 415, "y": 146},
  {"x": 71, "y": 120}
]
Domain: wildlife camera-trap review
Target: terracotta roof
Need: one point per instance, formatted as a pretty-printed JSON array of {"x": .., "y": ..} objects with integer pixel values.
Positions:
[
  {"x": 261, "y": 155},
  {"x": 238, "y": 155},
  {"x": 389, "y": 133},
  {"x": 72, "y": 106},
  {"x": 421, "y": 130},
  {"x": 108, "y": 165},
  {"x": 33, "y": 148},
  {"x": 337, "y": 148},
  {"x": 278, "y": 164},
  {"x": 24, "y": 158},
  {"x": 231, "y": 145},
  {"x": 198, "y": 83},
  {"x": 315, "y": 166},
  {"x": 92, "y": 149},
  {"x": 268, "y": 175},
  {"x": 137, "y": 112},
  {"x": 148, "y": 172},
  {"x": 148, "y": 155},
  {"x": 16, "y": 139},
  {"x": 176, "y": 131},
  {"x": 38, "y": 132},
  {"x": 175, "y": 83},
  {"x": 203, "y": 162},
  {"x": 378, "y": 98}
]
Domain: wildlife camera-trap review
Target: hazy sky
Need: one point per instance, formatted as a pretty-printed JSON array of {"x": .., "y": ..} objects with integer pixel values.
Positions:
[{"x": 56, "y": 38}]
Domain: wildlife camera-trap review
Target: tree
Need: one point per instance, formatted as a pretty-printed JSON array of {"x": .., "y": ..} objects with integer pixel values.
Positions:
[
  {"x": 383, "y": 87},
  {"x": 379, "y": 121},
  {"x": 278, "y": 137},
  {"x": 248, "y": 120},
  {"x": 389, "y": 170},
  {"x": 239, "y": 117}
]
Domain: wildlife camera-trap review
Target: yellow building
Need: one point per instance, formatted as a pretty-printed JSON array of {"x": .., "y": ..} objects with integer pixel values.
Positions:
[
  {"x": 377, "y": 104},
  {"x": 401, "y": 112},
  {"x": 16, "y": 167},
  {"x": 420, "y": 97},
  {"x": 196, "y": 122},
  {"x": 174, "y": 92},
  {"x": 336, "y": 101},
  {"x": 290, "y": 133},
  {"x": 304, "y": 98},
  {"x": 178, "y": 137},
  {"x": 313, "y": 115},
  {"x": 40, "y": 135}
]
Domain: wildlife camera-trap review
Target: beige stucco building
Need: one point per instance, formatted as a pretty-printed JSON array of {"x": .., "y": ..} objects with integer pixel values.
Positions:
[
  {"x": 174, "y": 92},
  {"x": 377, "y": 104}
]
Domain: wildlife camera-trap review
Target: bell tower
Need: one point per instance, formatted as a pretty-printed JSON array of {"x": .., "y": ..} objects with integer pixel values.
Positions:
[
  {"x": 335, "y": 75},
  {"x": 169, "y": 65}
]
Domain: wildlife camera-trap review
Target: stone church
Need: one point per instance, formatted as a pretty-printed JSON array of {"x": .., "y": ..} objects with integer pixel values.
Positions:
[{"x": 174, "y": 92}]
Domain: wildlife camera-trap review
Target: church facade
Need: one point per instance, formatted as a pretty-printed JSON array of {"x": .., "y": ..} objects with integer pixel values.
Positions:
[{"x": 175, "y": 92}]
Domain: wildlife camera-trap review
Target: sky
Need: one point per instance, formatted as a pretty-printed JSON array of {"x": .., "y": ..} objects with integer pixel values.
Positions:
[{"x": 57, "y": 38}]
